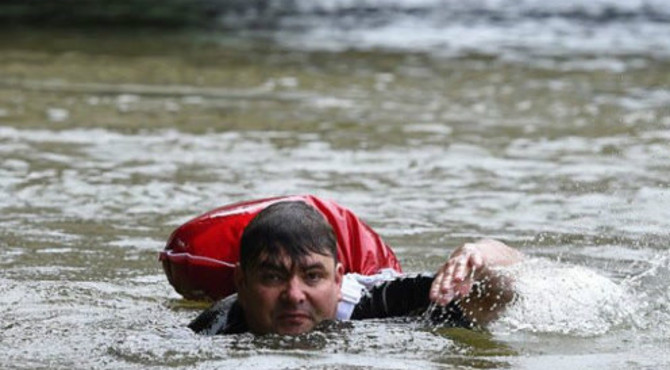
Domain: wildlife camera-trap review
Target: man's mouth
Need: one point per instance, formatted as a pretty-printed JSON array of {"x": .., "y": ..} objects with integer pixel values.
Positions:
[{"x": 294, "y": 317}]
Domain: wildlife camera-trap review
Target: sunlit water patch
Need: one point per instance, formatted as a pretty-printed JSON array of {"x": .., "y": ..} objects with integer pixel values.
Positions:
[{"x": 516, "y": 30}]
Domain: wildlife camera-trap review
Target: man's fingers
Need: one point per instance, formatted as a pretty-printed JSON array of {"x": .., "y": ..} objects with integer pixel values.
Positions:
[
  {"x": 441, "y": 291},
  {"x": 476, "y": 260},
  {"x": 461, "y": 269},
  {"x": 456, "y": 277},
  {"x": 446, "y": 291},
  {"x": 436, "y": 286},
  {"x": 449, "y": 272}
]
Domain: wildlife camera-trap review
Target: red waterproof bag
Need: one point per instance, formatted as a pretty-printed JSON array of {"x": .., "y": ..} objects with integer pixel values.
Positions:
[{"x": 200, "y": 255}]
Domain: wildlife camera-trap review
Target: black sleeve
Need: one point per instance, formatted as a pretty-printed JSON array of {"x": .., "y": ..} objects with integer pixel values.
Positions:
[
  {"x": 223, "y": 317},
  {"x": 407, "y": 296}
]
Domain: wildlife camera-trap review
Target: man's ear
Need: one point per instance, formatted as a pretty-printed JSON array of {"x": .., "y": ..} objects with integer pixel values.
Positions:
[
  {"x": 238, "y": 277},
  {"x": 339, "y": 276}
]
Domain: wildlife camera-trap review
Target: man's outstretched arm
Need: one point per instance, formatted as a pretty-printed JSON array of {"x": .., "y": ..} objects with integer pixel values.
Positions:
[{"x": 469, "y": 278}]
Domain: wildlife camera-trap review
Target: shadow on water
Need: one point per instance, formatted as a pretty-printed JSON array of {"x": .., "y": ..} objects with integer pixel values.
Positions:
[
  {"x": 264, "y": 14},
  {"x": 124, "y": 13},
  {"x": 474, "y": 349},
  {"x": 186, "y": 305},
  {"x": 475, "y": 342}
]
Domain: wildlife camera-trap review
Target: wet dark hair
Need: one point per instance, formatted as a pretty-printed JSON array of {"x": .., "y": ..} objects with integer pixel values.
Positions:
[{"x": 292, "y": 227}]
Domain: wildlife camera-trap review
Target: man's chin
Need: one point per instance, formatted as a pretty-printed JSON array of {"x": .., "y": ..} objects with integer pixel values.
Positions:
[
  {"x": 294, "y": 330},
  {"x": 295, "y": 327}
]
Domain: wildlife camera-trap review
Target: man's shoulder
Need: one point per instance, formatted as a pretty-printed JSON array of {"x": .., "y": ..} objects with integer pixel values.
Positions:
[{"x": 223, "y": 317}]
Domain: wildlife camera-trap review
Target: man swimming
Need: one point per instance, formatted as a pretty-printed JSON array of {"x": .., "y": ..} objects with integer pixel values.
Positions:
[{"x": 289, "y": 280}]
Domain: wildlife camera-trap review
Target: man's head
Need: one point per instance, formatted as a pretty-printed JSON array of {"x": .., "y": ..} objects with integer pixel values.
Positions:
[{"x": 288, "y": 278}]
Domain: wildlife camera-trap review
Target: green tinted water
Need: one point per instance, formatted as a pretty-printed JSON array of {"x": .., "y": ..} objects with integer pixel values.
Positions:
[{"x": 108, "y": 141}]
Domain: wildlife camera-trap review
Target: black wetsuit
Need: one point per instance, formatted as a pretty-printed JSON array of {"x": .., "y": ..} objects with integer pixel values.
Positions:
[{"x": 403, "y": 296}]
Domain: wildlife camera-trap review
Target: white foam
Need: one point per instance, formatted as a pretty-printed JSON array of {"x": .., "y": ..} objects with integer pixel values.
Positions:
[{"x": 562, "y": 299}]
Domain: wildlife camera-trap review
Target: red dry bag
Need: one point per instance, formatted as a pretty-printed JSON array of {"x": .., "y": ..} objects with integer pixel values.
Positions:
[{"x": 200, "y": 255}]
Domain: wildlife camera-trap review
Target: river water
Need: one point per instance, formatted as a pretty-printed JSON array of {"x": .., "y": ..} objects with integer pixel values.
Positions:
[{"x": 545, "y": 126}]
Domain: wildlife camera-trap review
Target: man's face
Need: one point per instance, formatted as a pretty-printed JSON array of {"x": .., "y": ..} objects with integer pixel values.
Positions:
[{"x": 286, "y": 297}]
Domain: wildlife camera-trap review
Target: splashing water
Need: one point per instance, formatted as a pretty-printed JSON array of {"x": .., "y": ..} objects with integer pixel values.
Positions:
[
  {"x": 565, "y": 299},
  {"x": 652, "y": 294}
]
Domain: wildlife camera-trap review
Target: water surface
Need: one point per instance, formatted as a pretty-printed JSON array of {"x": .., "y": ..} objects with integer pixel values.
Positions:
[{"x": 110, "y": 140}]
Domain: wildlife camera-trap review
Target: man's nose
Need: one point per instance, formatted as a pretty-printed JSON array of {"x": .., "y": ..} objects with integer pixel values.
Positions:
[{"x": 294, "y": 292}]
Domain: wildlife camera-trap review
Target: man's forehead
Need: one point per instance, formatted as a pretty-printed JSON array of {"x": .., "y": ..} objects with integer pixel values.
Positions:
[{"x": 283, "y": 260}]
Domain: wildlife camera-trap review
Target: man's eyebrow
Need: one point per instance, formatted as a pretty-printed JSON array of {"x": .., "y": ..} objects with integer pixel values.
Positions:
[
  {"x": 312, "y": 265},
  {"x": 271, "y": 265},
  {"x": 280, "y": 267}
]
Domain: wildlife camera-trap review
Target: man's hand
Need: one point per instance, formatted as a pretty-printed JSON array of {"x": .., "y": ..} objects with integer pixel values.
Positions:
[
  {"x": 456, "y": 277},
  {"x": 472, "y": 264}
]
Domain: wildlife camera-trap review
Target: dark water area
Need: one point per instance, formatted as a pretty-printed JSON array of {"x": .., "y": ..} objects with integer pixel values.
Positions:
[{"x": 544, "y": 125}]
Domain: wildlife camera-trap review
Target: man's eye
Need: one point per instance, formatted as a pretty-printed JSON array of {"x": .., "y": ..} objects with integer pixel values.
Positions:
[
  {"x": 271, "y": 278},
  {"x": 313, "y": 277}
]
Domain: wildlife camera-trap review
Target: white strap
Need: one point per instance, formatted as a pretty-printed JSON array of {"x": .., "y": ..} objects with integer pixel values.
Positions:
[{"x": 355, "y": 285}]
